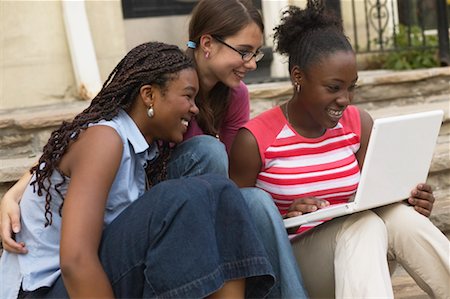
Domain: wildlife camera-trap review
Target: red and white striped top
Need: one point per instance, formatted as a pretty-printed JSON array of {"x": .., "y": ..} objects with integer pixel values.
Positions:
[{"x": 294, "y": 166}]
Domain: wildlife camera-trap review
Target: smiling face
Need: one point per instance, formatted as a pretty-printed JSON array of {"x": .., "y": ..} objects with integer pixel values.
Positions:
[
  {"x": 174, "y": 106},
  {"x": 225, "y": 64},
  {"x": 327, "y": 88}
]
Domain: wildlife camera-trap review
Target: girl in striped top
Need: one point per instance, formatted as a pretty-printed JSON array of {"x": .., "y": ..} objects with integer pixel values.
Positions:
[{"x": 307, "y": 154}]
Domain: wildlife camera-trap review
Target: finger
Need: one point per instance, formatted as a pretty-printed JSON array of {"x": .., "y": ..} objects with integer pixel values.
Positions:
[
  {"x": 292, "y": 214},
  {"x": 422, "y": 206},
  {"x": 303, "y": 208},
  {"x": 425, "y": 187},
  {"x": 423, "y": 203},
  {"x": 422, "y": 211},
  {"x": 9, "y": 244},
  {"x": 15, "y": 223},
  {"x": 423, "y": 195},
  {"x": 308, "y": 204}
]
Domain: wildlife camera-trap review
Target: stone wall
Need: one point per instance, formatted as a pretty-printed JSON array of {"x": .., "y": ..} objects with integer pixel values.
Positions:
[{"x": 23, "y": 132}]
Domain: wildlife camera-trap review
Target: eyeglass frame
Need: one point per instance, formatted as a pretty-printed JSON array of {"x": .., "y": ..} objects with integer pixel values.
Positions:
[{"x": 258, "y": 55}]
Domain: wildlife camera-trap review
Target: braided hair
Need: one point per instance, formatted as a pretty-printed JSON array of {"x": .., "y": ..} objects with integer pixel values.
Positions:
[
  {"x": 307, "y": 35},
  {"x": 149, "y": 63}
]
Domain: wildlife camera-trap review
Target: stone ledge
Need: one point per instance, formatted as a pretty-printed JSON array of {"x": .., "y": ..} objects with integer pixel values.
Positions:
[
  {"x": 435, "y": 102},
  {"x": 41, "y": 116},
  {"x": 13, "y": 169},
  {"x": 283, "y": 89}
]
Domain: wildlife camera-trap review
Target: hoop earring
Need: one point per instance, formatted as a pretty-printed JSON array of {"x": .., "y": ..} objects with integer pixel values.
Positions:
[
  {"x": 298, "y": 87},
  {"x": 150, "y": 112}
]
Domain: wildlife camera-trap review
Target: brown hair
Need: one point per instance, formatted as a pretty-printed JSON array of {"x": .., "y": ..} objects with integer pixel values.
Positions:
[
  {"x": 149, "y": 63},
  {"x": 222, "y": 18}
]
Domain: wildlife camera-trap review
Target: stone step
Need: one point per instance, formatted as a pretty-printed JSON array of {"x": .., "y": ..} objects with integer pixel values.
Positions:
[
  {"x": 375, "y": 86},
  {"x": 12, "y": 167}
]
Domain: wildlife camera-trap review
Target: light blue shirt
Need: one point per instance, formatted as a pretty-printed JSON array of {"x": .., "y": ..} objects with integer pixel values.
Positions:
[{"x": 40, "y": 266}]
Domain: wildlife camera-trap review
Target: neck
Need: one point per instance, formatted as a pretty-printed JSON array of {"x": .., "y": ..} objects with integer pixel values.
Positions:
[
  {"x": 206, "y": 77},
  {"x": 140, "y": 118},
  {"x": 303, "y": 123}
]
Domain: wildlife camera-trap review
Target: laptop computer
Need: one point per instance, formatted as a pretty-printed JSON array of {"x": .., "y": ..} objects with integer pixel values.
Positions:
[{"x": 398, "y": 157}]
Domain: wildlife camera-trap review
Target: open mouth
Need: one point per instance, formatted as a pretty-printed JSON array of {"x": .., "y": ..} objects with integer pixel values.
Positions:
[
  {"x": 185, "y": 122},
  {"x": 240, "y": 75},
  {"x": 335, "y": 113}
]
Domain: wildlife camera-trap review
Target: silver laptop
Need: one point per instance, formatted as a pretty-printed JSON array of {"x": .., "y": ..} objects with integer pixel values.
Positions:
[{"x": 398, "y": 157}]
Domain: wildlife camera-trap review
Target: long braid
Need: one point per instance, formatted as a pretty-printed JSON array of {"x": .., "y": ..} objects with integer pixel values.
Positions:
[{"x": 149, "y": 63}]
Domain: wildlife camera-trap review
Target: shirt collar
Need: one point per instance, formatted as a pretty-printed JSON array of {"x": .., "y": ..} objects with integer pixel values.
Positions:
[{"x": 134, "y": 135}]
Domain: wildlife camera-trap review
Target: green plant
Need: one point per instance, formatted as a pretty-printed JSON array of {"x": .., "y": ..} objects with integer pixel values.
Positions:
[{"x": 408, "y": 54}]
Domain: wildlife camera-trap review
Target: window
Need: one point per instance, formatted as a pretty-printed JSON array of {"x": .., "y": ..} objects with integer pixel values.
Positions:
[{"x": 156, "y": 8}]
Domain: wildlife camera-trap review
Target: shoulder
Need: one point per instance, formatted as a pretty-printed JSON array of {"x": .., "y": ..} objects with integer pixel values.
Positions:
[
  {"x": 240, "y": 93},
  {"x": 351, "y": 119},
  {"x": 242, "y": 89},
  {"x": 266, "y": 127},
  {"x": 268, "y": 120}
]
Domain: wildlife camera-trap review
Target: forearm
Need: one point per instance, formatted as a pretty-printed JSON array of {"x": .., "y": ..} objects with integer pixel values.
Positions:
[
  {"x": 87, "y": 280},
  {"x": 16, "y": 191}
]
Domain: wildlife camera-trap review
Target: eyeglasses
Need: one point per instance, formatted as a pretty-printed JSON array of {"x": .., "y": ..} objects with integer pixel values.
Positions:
[{"x": 246, "y": 55}]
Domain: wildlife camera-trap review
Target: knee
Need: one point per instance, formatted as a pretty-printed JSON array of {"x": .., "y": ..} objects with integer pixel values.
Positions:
[
  {"x": 402, "y": 221},
  {"x": 212, "y": 151},
  {"x": 199, "y": 155},
  {"x": 365, "y": 227}
]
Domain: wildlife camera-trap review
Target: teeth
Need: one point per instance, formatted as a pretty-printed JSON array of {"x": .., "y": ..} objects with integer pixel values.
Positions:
[
  {"x": 184, "y": 122},
  {"x": 335, "y": 112},
  {"x": 241, "y": 75}
]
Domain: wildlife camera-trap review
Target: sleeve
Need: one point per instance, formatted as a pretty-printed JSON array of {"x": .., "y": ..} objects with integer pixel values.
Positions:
[
  {"x": 265, "y": 128},
  {"x": 351, "y": 120},
  {"x": 237, "y": 115}
]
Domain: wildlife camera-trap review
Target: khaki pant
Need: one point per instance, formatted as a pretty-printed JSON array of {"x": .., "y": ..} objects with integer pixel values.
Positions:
[{"x": 346, "y": 257}]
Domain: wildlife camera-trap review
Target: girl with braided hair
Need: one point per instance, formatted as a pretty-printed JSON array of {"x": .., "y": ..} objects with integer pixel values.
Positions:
[
  {"x": 93, "y": 227},
  {"x": 225, "y": 38},
  {"x": 306, "y": 154}
]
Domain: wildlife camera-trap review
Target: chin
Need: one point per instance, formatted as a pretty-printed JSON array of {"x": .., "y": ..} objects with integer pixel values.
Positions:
[{"x": 176, "y": 139}]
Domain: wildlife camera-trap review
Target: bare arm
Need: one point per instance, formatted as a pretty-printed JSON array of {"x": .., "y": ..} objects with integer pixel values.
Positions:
[
  {"x": 366, "y": 128},
  {"x": 92, "y": 163},
  {"x": 245, "y": 161},
  {"x": 10, "y": 215},
  {"x": 245, "y": 164}
]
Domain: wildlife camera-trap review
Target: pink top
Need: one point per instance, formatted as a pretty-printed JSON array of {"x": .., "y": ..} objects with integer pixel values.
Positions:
[
  {"x": 236, "y": 117},
  {"x": 296, "y": 167}
]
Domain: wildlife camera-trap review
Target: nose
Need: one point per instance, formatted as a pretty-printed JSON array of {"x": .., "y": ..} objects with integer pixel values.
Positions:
[
  {"x": 194, "y": 109},
  {"x": 251, "y": 64},
  {"x": 345, "y": 98}
]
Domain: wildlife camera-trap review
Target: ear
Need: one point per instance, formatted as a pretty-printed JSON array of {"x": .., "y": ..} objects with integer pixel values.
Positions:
[
  {"x": 206, "y": 42},
  {"x": 296, "y": 75},
  {"x": 147, "y": 94}
]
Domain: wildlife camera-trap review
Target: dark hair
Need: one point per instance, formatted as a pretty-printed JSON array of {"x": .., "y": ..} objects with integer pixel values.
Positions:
[
  {"x": 149, "y": 63},
  {"x": 222, "y": 18},
  {"x": 307, "y": 35}
]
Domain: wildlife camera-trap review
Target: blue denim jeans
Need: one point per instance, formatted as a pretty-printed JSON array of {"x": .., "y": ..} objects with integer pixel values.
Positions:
[
  {"x": 198, "y": 155},
  {"x": 206, "y": 154},
  {"x": 270, "y": 228},
  {"x": 183, "y": 239}
]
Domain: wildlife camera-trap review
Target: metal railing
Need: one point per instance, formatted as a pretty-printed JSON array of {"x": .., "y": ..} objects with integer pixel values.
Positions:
[{"x": 399, "y": 25}]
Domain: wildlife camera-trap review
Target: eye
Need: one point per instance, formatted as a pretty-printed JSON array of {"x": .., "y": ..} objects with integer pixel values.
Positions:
[
  {"x": 333, "y": 88},
  {"x": 352, "y": 87}
]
